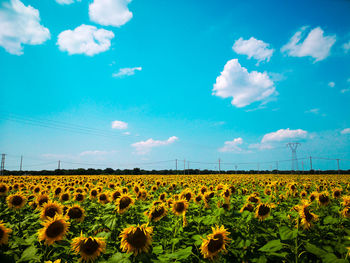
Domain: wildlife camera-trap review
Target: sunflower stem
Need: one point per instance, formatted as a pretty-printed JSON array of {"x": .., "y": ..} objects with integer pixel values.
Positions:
[{"x": 296, "y": 243}]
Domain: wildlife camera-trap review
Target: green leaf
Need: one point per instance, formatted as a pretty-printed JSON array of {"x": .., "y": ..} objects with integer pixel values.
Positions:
[
  {"x": 314, "y": 250},
  {"x": 329, "y": 220},
  {"x": 119, "y": 258},
  {"x": 272, "y": 246},
  {"x": 157, "y": 250},
  {"x": 198, "y": 239},
  {"x": 29, "y": 254},
  {"x": 182, "y": 253},
  {"x": 287, "y": 234}
]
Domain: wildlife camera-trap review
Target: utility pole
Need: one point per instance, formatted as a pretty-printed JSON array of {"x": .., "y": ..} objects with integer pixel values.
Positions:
[
  {"x": 20, "y": 167},
  {"x": 310, "y": 163},
  {"x": 258, "y": 165},
  {"x": 236, "y": 168},
  {"x": 59, "y": 165},
  {"x": 338, "y": 165},
  {"x": 293, "y": 146},
  {"x": 176, "y": 165},
  {"x": 302, "y": 164},
  {"x": 184, "y": 166},
  {"x": 188, "y": 167},
  {"x": 277, "y": 165},
  {"x": 2, "y": 168},
  {"x": 219, "y": 166}
]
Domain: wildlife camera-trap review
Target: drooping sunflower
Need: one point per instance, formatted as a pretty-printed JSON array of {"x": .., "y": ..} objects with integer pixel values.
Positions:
[
  {"x": 136, "y": 239},
  {"x": 346, "y": 212},
  {"x": 323, "y": 199},
  {"x": 156, "y": 212},
  {"x": 16, "y": 201},
  {"x": 54, "y": 229},
  {"x": 313, "y": 196},
  {"x": 337, "y": 192},
  {"x": 76, "y": 212},
  {"x": 124, "y": 202},
  {"x": 179, "y": 207},
  {"x": 247, "y": 207},
  {"x": 116, "y": 194},
  {"x": 89, "y": 248},
  {"x": 263, "y": 210},
  {"x": 4, "y": 233},
  {"x": 215, "y": 242},
  {"x": 41, "y": 199},
  {"x": 306, "y": 216},
  {"x": 50, "y": 209}
]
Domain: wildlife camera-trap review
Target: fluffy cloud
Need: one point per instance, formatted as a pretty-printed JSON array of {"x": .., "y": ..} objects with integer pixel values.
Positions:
[
  {"x": 346, "y": 47},
  {"x": 126, "y": 72},
  {"x": 85, "y": 39},
  {"x": 144, "y": 147},
  {"x": 119, "y": 125},
  {"x": 232, "y": 146},
  {"x": 314, "y": 45},
  {"x": 110, "y": 12},
  {"x": 253, "y": 48},
  {"x": 67, "y": 2},
  {"x": 20, "y": 24},
  {"x": 331, "y": 84},
  {"x": 245, "y": 88},
  {"x": 284, "y": 134},
  {"x": 345, "y": 131}
]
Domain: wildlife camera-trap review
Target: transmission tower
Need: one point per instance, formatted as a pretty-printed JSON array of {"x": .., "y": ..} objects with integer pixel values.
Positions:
[
  {"x": 293, "y": 146},
  {"x": 2, "y": 168}
]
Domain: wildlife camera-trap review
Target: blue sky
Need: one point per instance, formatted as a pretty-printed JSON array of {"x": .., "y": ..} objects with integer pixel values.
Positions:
[{"x": 234, "y": 80}]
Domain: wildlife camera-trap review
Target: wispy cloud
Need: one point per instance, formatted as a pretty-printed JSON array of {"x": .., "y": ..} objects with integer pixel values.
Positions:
[
  {"x": 253, "y": 48},
  {"x": 126, "y": 72},
  {"x": 144, "y": 147},
  {"x": 119, "y": 125}
]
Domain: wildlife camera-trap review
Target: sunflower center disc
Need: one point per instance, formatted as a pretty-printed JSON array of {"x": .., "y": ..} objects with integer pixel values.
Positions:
[
  {"x": 42, "y": 201},
  {"x": 2, "y": 189},
  {"x": 215, "y": 244},
  {"x": 17, "y": 200},
  {"x": 75, "y": 213},
  {"x": 137, "y": 239},
  {"x": 323, "y": 199},
  {"x": 55, "y": 229},
  {"x": 124, "y": 202},
  {"x": 263, "y": 210},
  {"x": 65, "y": 197},
  {"x": 50, "y": 212},
  {"x": 90, "y": 246},
  {"x": 158, "y": 212},
  {"x": 179, "y": 207}
]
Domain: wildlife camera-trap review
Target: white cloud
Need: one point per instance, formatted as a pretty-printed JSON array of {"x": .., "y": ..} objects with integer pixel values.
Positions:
[
  {"x": 344, "y": 90},
  {"x": 126, "y": 72},
  {"x": 314, "y": 45},
  {"x": 67, "y": 2},
  {"x": 345, "y": 131},
  {"x": 245, "y": 88},
  {"x": 346, "y": 47},
  {"x": 232, "y": 146},
  {"x": 144, "y": 147},
  {"x": 119, "y": 125},
  {"x": 284, "y": 134},
  {"x": 314, "y": 111},
  {"x": 20, "y": 24},
  {"x": 85, "y": 39},
  {"x": 126, "y": 133},
  {"x": 331, "y": 84},
  {"x": 253, "y": 48},
  {"x": 110, "y": 12}
]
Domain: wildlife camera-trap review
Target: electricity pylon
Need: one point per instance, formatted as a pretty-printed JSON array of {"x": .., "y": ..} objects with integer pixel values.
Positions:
[{"x": 293, "y": 146}]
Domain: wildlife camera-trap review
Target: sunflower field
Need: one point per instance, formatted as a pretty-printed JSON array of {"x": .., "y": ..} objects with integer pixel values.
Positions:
[{"x": 175, "y": 218}]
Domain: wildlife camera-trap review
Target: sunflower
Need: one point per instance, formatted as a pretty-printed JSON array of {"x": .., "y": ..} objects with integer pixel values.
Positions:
[
  {"x": 3, "y": 189},
  {"x": 89, "y": 248},
  {"x": 337, "y": 192},
  {"x": 76, "y": 212},
  {"x": 263, "y": 210},
  {"x": 64, "y": 197},
  {"x": 306, "y": 216},
  {"x": 42, "y": 199},
  {"x": 54, "y": 229},
  {"x": 79, "y": 197},
  {"x": 103, "y": 198},
  {"x": 156, "y": 212},
  {"x": 58, "y": 191},
  {"x": 116, "y": 194},
  {"x": 4, "y": 233},
  {"x": 253, "y": 198},
  {"x": 124, "y": 202},
  {"x": 136, "y": 239},
  {"x": 346, "y": 200},
  {"x": 215, "y": 242},
  {"x": 93, "y": 193},
  {"x": 313, "y": 196},
  {"x": 180, "y": 207},
  {"x": 247, "y": 207},
  {"x": 56, "y": 261},
  {"x": 198, "y": 198},
  {"x": 346, "y": 212},
  {"x": 16, "y": 201},
  {"x": 51, "y": 209},
  {"x": 323, "y": 199}
]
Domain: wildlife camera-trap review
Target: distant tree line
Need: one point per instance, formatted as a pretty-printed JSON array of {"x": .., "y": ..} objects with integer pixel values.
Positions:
[{"x": 137, "y": 171}]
